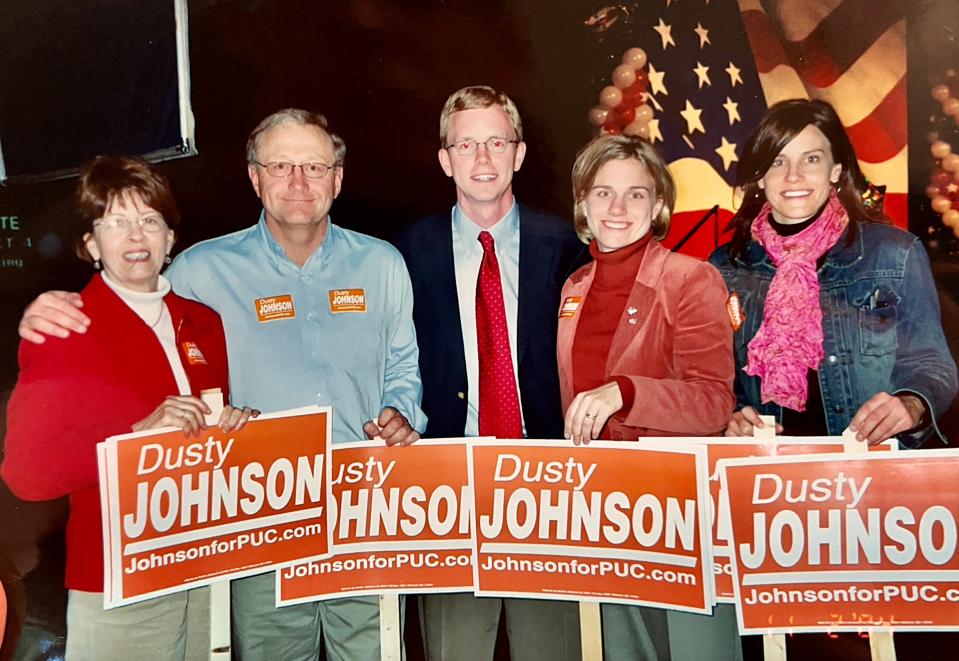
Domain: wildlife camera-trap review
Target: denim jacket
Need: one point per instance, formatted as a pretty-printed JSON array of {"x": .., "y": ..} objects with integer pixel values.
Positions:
[{"x": 881, "y": 325}]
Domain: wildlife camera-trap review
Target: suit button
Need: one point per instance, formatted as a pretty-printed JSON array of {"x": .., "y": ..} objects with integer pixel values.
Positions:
[
  {"x": 832, "y": 359},
  {"x": 461, "y": 395},
  {"x": 838, "y": 409}
]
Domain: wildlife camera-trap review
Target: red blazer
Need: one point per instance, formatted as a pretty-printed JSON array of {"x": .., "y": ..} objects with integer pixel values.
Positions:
[
  {"x": 678, "y": 354},
  {"x": 73, "y": 393}
]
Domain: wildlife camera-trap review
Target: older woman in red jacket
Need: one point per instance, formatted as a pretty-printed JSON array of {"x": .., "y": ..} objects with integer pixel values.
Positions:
[
  {"x": 141, "y": 365},
  {"x": 644, "y": 343}
]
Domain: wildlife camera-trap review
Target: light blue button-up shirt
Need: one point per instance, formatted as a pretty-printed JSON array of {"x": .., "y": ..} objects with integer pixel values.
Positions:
[
  {"x": 309, "y": 345},
  {"x": 467, "y": 258}
]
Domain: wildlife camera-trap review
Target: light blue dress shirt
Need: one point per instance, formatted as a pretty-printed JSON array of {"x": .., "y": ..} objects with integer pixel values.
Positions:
[
  {"x": 467, "y": 258},
  {"x": 358, "y": 362}
]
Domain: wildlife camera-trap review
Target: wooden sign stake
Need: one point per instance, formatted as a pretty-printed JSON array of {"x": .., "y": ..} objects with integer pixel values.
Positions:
[
  {"x": 774, "y": 644},
  {"x": 881, "y": 645},
  {"x": 390, "y": 627},
  {"x": 591, "y": 631},
  {"x": 219, "y": 591}
]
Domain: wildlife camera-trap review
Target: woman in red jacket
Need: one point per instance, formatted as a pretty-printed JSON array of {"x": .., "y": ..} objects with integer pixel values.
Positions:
[
  {"x": 141, "y": 365},
  {"x": 644, "y": 346}
]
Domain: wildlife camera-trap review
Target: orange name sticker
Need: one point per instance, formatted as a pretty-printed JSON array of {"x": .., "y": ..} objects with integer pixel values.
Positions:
[
  {"x": 735, "y": 311},
  {"x": 193, "y": 354},
  {"x": 272, "y": 308},
  {"x": 347, "y": 300},
  {"x": 569, "y": 307}
]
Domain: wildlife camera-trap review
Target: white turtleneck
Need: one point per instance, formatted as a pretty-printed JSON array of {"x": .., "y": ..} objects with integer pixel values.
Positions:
[{"x": 149, "y": 306}]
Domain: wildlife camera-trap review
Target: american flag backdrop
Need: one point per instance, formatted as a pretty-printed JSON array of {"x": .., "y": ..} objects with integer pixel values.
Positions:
[{"x": 715, "y": 65}]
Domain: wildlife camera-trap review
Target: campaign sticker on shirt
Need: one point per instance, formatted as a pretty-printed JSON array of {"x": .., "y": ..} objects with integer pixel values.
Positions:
[
  {"x": 570, "y": 306},
  {"x": 272, "y": 308},
  {"x": 193, "y": 354},
  {"x": 347, "y": 300}
]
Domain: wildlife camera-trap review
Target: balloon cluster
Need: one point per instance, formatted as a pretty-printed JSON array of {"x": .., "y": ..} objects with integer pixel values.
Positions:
[
  {"x": 622, "y": 106},
  {"x": 943, "y": 188}
]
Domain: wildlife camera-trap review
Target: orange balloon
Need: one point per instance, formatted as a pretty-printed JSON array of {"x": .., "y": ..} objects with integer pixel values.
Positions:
[
  {"x": 941, "y": 204},
  {"x": 597, "y": 116},
  {"x": 644, "y": 113},
  {"x": 940, "y": 149},
  {"x": 3, "y": 612},
  {"x": 624, "y": 76},
  {"x": 635, "y": 57},
  {"x": 932, "y": 191},
  {"x": 610, "y": 96},
  {"x": 951, "y": 106},
  {"x": 940, "y": 93},
  {"x": 951, "y": 219},
  {"x": 637, "y": 128}
]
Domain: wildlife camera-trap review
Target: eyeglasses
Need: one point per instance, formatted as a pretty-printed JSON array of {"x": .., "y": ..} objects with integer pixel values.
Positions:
[
  {"x": 285, "y": 169},
  {"x": 121, "y": 224},
  {"x": 468, "y": 146}
]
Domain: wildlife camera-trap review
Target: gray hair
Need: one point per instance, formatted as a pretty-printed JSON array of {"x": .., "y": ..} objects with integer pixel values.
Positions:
[{"x": 294, "y": 116}]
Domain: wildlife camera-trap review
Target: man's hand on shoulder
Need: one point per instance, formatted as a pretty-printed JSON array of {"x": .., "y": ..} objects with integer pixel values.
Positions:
[{"x": 53, "y": 313}]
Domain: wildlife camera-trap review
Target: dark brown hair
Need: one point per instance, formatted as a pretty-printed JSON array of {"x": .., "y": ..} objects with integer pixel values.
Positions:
[
  {"x": 781, "y": 123},
  {"x": 108, "y": 177}
]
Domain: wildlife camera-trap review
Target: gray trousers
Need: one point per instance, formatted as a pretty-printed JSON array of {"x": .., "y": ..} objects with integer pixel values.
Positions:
[
  {"x": 174, "y": 627},
  {"x": 261, "y": 631},
  {"x": 461, "y": 626},
  {"x": 640, "y": 633}
]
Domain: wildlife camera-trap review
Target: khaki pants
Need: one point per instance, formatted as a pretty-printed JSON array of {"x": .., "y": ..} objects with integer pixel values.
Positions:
[{"x": 174, "y": 627}]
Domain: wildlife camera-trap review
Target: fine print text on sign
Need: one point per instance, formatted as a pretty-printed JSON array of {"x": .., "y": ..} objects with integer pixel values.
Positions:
[
  {"x": 180, "y": 511},
  {"x": 400, "y": 522},
  {"x": 845, "y": 544},
  {"x": 611, "y": 522}
]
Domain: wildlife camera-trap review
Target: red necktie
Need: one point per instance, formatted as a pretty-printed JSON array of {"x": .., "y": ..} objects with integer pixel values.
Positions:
[{"x": 499, "y": 414}]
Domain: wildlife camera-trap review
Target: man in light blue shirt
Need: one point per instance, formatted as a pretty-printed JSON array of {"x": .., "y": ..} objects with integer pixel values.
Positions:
[{"x": 313, "y": 314}]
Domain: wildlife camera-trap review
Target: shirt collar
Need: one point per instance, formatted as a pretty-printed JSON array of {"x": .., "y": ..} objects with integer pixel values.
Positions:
[
  {"x": 278, "y": 253},
  {"x": 506, "y": 228}
]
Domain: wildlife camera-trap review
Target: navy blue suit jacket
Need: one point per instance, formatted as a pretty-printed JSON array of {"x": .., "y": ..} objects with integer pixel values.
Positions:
[{"x": 549, "y": 252}]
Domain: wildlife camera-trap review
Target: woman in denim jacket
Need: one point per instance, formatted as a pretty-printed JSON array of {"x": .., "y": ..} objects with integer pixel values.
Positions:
[{"x": 836, "y": 316}]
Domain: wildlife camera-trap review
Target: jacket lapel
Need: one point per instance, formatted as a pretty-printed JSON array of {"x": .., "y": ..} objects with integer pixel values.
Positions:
[
  {"x": 579, "y": 286},
  {"x": 641, "y": 299},
  {"x": 537, "y": 260},
  {"x": 439, "y": 270}
]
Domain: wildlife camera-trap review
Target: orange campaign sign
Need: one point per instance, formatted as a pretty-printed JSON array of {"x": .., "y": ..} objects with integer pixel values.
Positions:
[
  {"x": 181, "y": 511},
  {"x": 733, "y": 447},
  {"x": 400, "y": 522},
  {"x": 845, "y": 543},
  {"x": 611, "y": 522}
]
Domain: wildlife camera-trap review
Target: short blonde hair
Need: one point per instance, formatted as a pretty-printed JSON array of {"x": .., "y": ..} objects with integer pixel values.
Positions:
[
  {"x": 620, "y": 147},
  {"x": 478, "y": 96}
]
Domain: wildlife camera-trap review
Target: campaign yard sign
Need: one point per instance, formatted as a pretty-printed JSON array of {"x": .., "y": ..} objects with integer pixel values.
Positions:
[
  {"x": 182, "y": 511},
  {"x": 833, "y": 543},
  {"x": 400, "y": 522},
  {"x": 718, "y": 449},
  {"x": 610, "y": 522}
]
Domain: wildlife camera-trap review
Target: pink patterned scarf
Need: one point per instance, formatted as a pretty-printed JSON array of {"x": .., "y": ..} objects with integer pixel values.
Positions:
[{"x": 790, "y": 340}]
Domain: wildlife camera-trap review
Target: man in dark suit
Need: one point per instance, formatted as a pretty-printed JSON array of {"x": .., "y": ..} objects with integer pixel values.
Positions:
[{"x": 486, "y": 279}]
